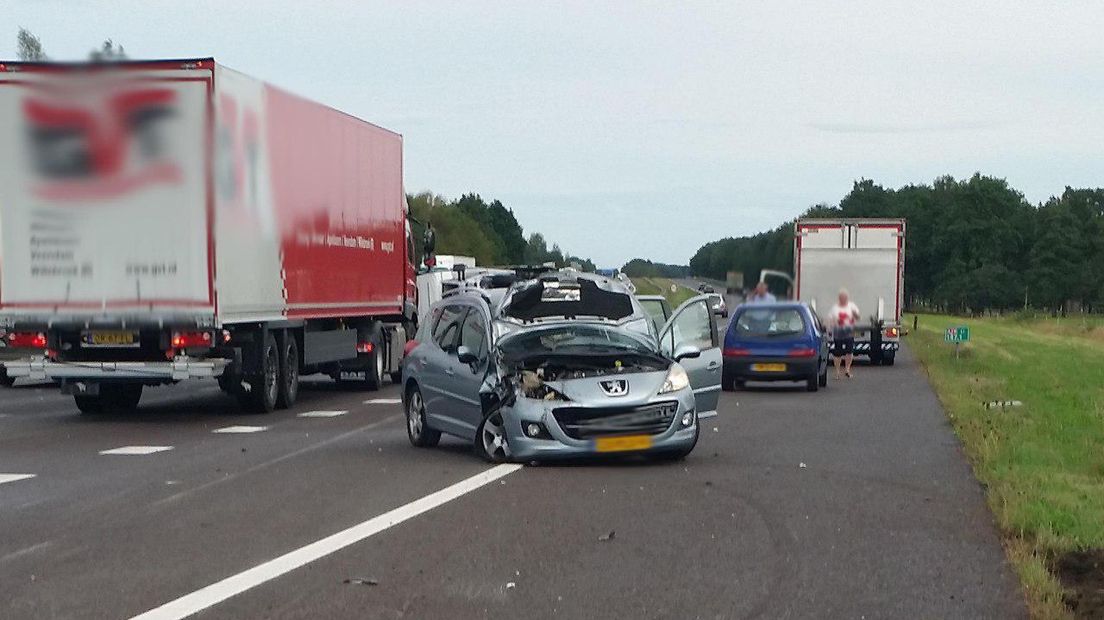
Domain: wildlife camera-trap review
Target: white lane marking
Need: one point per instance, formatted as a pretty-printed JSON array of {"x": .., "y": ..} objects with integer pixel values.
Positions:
[
  {"x": 707, "y": 414},
  {"x": 14, "y": 477},
  {"x": 322, "y": 414},
  {"x": 236, "y": 584},
  {"x": 137, "y": 450},
  {"x": 240, "y": 429},
  {"x": 383, "y": 401}
]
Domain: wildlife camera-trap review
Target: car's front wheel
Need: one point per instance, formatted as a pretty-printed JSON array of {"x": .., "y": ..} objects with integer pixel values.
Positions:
[
  {"x": 417, "y": 430},
  {"x": 490, "y": 441}
]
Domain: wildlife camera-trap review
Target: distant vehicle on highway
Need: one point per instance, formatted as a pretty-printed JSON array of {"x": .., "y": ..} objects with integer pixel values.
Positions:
[
  {"x": 563, "y": 366},
  {"x": 775, "y": 342},
  {"x": 734, "y": 282},
  {"x": 704, "y": 288},
  {"x": 199, "y": 223},
  {"x": 864, "y": 256},
  {"x": 717, "y": 304}
]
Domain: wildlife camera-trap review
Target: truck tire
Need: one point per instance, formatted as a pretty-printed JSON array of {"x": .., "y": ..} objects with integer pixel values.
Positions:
[
  {"x": 888, "y": 358},
  {"x": 289, "y": 373},
  {"x": 88, "y": 405},
  {"x": 373, "y": 373},
  {"x": 5, "y": 380},
  {"x": 264, "y": 388}
]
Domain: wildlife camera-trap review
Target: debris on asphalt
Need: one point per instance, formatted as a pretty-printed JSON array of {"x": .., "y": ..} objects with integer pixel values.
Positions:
[
  {"x": 708, "y": 483},
  {"x": 801, "y": 465},
  {"x": 361, "y": 582},
  {"x": 510, "y": 585},
  {"x": 605, "y": 537},
  {"x": 1002, "y": 404},
  {"x": 716, "y": 430}
]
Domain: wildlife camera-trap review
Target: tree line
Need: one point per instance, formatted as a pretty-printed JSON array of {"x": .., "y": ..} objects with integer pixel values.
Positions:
[
  {"x": 971, "y": 245},
  {"x": 643, "y": 268},
  {"x": 489, "y": 232}
]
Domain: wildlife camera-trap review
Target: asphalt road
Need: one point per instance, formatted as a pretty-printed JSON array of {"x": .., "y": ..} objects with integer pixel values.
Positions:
[{"x": 848, "y": 503}]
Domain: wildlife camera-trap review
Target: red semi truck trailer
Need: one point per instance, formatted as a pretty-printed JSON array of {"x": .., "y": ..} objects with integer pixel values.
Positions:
[{"x": 175, "y": 219}]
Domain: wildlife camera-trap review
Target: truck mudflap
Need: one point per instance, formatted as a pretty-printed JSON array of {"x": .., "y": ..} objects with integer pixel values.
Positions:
[
  {"x": 179, "y": 369},
  {"x": 862, "y": 347}
]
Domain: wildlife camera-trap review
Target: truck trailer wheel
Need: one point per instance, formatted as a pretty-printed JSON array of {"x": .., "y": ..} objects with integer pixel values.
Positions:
[
  {"x": 264, "y": 388},
  {"x": 888, "y": 358},
  {"x": 373, "y": 370},
  {"x": 113, "y": 398},
  {"x": 289, "y": 373}
]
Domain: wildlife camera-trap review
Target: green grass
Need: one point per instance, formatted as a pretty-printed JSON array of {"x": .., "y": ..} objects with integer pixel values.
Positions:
[
  {"x": 1043, "y": 462},
  {"x": 662, "y": 286}
]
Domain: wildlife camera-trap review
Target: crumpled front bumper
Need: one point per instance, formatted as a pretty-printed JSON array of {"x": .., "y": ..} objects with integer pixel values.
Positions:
[
  {"x": 178, "y": 369},
  {"x": 558, "y": 445}
]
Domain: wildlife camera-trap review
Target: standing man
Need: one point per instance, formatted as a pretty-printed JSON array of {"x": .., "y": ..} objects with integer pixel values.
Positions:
[
  {"x": 429, "y": 244},
  {"x": 761, "y": 295},
  {"x": 842, "y": 319}
]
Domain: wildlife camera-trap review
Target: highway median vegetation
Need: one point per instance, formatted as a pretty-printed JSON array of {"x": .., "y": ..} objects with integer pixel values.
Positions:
[
  {"x": 1026, "y": 397},
  {"x": 662, "y": 286}
]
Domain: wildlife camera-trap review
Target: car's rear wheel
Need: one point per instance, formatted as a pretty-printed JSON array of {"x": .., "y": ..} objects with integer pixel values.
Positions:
[
  {"x": 417, "y": 430},
  {"x": 823, "y": 379},
  {"x": 728, "y": 384},
  {"x": 812, "y": 384},
  {"x": 5, "y": 380},
  {"x": 490, "y": 441}
]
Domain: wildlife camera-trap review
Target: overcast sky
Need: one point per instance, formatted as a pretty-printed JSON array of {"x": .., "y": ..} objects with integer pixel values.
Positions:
[{"x": 622, "y": 129}]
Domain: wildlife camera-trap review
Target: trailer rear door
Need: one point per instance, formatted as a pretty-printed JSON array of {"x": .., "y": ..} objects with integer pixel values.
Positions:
[{"x": 105, "y": 204}]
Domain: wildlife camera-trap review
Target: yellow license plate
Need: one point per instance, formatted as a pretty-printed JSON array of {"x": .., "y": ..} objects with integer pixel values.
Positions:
[
  {"x": 623, "y": 443},
  {"x": 111, "y": 339},
  {"x": 768, "y": 367}
]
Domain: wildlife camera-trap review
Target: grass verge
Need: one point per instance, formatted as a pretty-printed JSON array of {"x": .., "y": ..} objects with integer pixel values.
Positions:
[
  {"x": 662, "y": 286},
  {"x": 1042, "y": 462}
]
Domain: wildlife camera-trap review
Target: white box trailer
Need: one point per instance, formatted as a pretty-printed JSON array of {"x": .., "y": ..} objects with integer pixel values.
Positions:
[{"x": 864, "y": 256}]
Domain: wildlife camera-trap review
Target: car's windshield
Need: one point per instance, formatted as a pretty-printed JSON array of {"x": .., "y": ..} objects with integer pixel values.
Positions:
[
  {"x": 574, "y": 339},
  {"x": 769, "y": 322}
]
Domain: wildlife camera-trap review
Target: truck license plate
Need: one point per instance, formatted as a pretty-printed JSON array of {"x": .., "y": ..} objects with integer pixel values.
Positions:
[{"x": 110, "y": 338}]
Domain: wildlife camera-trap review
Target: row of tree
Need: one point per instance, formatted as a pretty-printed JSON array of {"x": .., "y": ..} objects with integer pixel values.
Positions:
[
  {"x": 489, "y": 232},
  {"x": 29, "y": 49},
  {"x": 642, "y": 268},
  {"x": 971, "y": 245}
]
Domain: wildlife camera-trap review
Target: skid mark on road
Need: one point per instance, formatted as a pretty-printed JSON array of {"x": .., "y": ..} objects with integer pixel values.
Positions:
[
  {"x": 262, "y": 573},
  {"x": 136, "y": 450},
  {"x": 271, "y": 462}
]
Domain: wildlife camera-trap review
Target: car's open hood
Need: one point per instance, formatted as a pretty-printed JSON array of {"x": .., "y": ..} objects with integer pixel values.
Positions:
[{"x": 566, "y": 299}]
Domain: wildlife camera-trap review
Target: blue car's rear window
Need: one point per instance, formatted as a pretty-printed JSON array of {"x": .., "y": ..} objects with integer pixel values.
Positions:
[{"x": 769, "y": 323}]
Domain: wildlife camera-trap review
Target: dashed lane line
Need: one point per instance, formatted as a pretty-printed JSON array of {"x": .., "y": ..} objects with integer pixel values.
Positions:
[
  {"x": 383, "y": 401},
  {"x": 14, "y": 477},
  {"x": 136, "y": 450},
  {"x": 240, "y": 429},
  {"x": 322, "y": 414},
  {"x": 236, "y": 584}
]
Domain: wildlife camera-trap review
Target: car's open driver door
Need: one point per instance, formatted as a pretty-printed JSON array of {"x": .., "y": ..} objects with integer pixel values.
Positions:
[{"x": 692, "y": 324}]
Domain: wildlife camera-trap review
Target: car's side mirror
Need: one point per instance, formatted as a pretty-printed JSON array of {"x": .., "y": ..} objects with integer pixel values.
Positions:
[
  {"x": 686, "y": 351},
  {"x": 465, "y": 355}
]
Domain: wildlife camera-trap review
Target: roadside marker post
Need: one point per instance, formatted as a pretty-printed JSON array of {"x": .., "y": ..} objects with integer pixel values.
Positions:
[{"x": 956, "y": 336}]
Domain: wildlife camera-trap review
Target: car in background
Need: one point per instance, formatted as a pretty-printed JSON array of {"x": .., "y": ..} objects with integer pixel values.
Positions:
[
  {"x": 705, "y": 289},
  {"x": 566, "y": 365},
  {"x": 717, "y": 305},
  {"x": 658, "y": 309},
  {"x": 775, "y": 342}
]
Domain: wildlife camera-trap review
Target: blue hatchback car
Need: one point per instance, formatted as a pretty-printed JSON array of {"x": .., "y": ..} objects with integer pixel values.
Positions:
[{"x": 775, "y": 342}]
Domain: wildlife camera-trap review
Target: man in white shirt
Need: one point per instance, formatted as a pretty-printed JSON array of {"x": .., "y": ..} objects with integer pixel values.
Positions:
[
  {"x": 761, "y": 295},
  {"x": 841, "y": 319}
]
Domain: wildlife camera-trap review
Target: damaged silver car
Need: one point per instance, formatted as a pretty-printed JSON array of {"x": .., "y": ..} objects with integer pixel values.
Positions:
[{"x": 563, "y": 366}]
